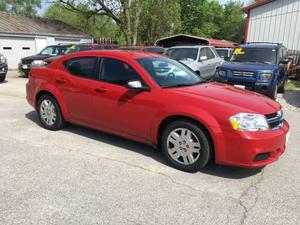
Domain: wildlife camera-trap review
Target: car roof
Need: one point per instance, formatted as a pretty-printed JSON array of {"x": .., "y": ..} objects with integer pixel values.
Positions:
[
  {"x": 118, "y": 53},
  {"x": 190, "y": 46},
  {"x": 259, "y": 45}
]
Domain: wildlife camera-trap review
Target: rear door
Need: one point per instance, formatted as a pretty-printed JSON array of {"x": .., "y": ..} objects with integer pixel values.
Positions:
[{"x": 75, "y": 82}]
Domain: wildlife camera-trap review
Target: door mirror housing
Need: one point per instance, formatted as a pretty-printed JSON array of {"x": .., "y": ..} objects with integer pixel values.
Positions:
[
  {"x": 137, "y": 85},
  {"x": 202, "y": 58}
]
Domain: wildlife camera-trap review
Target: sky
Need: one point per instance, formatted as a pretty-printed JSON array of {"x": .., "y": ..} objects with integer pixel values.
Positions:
[{"x": 45, "y": 4}]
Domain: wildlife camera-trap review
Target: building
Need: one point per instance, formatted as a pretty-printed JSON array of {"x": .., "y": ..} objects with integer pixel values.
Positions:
[
  {"x": 183, "y": 39},
  {"x": 274, "y": 21},
  {"x": 22, "y": 36}
]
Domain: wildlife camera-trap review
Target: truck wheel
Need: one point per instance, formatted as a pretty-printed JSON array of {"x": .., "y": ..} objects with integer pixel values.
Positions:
[
  {"x": 185, "y": 145},
  {"x": 274, "y": 92},
  {"x": 281, "y": 87},
  {"x": 2, "y": 79}
]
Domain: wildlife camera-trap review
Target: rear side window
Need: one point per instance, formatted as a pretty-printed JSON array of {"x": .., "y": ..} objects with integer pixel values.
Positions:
[
  {"x": 85, "y": 67},
  {"x": 117, "y": 72}
]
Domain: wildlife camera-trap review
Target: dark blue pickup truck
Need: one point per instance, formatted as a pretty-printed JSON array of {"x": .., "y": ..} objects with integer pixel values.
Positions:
[{"x": 260, "y": 67}]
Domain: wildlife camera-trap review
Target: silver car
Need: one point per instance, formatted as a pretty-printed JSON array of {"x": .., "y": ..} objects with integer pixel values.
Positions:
[{"x": 204, "y": 60}]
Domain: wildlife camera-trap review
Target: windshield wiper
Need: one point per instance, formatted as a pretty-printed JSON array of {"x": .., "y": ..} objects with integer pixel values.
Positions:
[
  {"x": 182, "y": 85},
  {"x": 255, "y": 61}
]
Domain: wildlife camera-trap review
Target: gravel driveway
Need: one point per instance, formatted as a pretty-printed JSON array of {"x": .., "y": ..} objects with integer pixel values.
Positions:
[{"x": 81, "y": 176}]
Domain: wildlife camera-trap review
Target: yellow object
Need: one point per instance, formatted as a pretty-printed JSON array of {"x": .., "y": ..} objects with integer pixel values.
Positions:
[
  {"x": 238, "y": 51},
  {"x": 235, "y": 124}
]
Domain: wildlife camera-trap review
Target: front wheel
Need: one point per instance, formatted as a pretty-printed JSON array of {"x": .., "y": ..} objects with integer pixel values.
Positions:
[
  {"x": 49, "y": 113},
  {"x": 274, "y": 92},
  {"x": 185, "y": 145},
  {"x": 282, "y": 85}
]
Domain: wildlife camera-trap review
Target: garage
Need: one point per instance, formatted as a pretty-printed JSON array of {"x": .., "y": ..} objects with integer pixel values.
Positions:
[{"x": 22, "y": 36}]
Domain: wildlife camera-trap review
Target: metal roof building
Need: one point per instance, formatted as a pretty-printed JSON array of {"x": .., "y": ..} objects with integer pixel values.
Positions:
[
  {"x": 21, "y": 36},
  {"x": 274, "y": 21},
  {"x": 184, "y": 39}
]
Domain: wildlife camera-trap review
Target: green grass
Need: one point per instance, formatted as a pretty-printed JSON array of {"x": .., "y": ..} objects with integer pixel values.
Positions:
[{"x": 292, "y": 85}]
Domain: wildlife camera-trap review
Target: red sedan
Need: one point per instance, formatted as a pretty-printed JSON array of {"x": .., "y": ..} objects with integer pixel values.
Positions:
[{"x": 152, "y": 99}]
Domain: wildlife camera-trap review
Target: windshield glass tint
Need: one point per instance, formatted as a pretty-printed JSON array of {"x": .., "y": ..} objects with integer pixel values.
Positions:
[
  {"x": 183, "y": 53},
  {"x": 53, "y": 50},
  {"x": 222, "y": 52},
  {"x": 256, "y": 55},
  {"x": 169, "y": 73}
]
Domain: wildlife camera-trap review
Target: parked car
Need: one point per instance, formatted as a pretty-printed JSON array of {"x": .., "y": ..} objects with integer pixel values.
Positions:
[
  {"x": 152, "y": 49},
  {"x": 259, "y": 67},
  {"x": 83, "y": 47},
  {"x": 224, "y": 53},
  {"x": 204, "y": 60},
  {"x": 133, "y": 95},
  {"x": 49, "y": 51},
  {"x": 3, "y": 68}
]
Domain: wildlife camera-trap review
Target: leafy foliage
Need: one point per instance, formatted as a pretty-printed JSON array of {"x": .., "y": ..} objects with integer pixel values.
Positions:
[{"x": 21, "y": 7}]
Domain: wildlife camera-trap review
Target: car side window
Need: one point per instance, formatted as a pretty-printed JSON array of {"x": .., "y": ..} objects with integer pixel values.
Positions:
[
  {"x": 117, "y": 72},
  {"x": 210, "y": 54},
  {"x": 202, "y": 52},
  {"x": 85, "y": 67}
]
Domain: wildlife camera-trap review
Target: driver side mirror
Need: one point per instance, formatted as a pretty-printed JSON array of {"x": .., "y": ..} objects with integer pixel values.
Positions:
[
  {"x": 137, "y": 85},
  {"x": 202, "y": 58}
]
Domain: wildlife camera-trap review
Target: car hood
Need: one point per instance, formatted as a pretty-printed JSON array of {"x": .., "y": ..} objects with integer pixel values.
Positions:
[
  {"x": 247, "y": 66},
  {"x": 239, "y": 100},
  {"x": 190, "y": 63},
  {"x": 35, "y": 57}
]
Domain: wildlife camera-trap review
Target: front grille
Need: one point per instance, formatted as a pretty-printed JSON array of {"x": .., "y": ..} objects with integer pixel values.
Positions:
[
  {"x": 26, "y": 62},
  {"x": 243, "y": 74},
  {"x": 275, "y": 120}
]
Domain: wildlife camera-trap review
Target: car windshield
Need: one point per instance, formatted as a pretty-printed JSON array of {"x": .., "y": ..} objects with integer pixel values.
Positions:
[
  {"x": 254, "y": 55},
  {"x": 183, "y": 53},
  {"x": 54, "y": 50},
  {"x": 169, "y": 73},
  {"x": 76, "y": 48},
  {"x": 222, "y": 52}
]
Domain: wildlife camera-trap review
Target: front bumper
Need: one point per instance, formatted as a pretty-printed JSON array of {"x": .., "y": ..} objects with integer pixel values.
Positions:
[
  {"x": 3, "y": 69},
  {"x": 25, "y": 67},
  {"x": 251, "y": 149},
  {"x": 264, "y": 88}
]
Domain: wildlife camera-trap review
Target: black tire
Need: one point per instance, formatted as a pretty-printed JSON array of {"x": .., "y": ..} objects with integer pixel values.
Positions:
[
  {"x": 281, "y": 86},
  {"x": 59, "y": 121},
  {"x": 2, "y": 79},
  {"x": 273, "y": 95},
  {"x": 203, "y": 138}
]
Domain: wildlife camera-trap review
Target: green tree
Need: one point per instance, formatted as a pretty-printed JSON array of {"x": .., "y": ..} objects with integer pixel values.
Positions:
[
  {"x": 160, "y": 18},
  {"x": 233, "y": 25},
  {"x": 20, "y": 7},
  {"x": 96, "y": 26}
]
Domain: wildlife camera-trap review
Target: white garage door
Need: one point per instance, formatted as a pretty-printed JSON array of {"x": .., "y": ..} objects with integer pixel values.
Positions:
[{"x": 15, "y": 48}]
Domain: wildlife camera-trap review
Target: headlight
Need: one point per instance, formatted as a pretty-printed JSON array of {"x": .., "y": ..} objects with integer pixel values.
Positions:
[
  {"x": 249, "y": 122},
  {"x": 265, "y": 76},
  {"x": 37, "y": 63},
  {"x": 2, "y": 59},
  {"x": 222, "y": 73}
]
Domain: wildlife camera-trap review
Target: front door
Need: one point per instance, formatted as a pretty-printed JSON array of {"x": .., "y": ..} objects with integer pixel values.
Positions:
[{"x": 118, "y": 108}]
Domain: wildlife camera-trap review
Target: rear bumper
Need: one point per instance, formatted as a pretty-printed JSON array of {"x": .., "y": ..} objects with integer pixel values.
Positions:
[{"x": 251, "y": 149}]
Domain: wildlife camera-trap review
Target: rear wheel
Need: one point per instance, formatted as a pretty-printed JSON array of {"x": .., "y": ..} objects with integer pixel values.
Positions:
[
  {"x": 185, "y": 145},
  {"x": 49, "y": 113}
]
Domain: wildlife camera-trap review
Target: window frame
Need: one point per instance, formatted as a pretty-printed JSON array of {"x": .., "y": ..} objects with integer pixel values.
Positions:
[
  {"x": 97, "y": 69},
  {"x": 119, "y": 85}
]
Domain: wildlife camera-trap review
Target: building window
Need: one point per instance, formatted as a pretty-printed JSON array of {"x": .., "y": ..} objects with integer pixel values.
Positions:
[
  {"x": 26, "y": 48},
  {"x": 6, "y": 48}
]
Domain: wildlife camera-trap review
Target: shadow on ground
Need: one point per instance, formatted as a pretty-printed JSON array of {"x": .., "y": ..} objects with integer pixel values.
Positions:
[
  {"x": 292, "y": 98},
  {"x": 148, "y": 151},
  {"x": 3, "y": 82}
]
